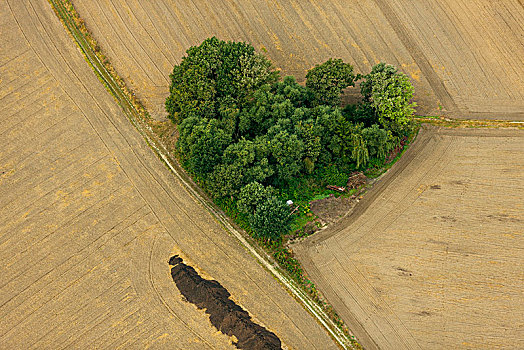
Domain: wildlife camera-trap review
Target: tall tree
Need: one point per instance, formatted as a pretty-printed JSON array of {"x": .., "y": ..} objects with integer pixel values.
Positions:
[
  {"x": 215, "y": 76},
  {"x": 389, "y": 92},
  {"x": 201, "y": 144},
  {"x": 268, "y": 215},
  {"x": 327, "y": 80}
]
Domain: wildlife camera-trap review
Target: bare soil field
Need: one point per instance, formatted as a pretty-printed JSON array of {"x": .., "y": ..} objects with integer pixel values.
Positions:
[
  {"x": 465, "y": 57},
  {"x": 433, "y": 256},
  {"x": 89, "y": 216}
]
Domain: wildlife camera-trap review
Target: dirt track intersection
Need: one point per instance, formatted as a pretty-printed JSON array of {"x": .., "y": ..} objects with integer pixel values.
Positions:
[
  {"x": 89, "y": 216},
  {"x": 432, "y": 258}
]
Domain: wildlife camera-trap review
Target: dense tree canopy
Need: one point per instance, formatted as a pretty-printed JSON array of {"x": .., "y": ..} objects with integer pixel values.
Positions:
[
  {"x": 327, "y": 80},
  {"x": 268, "y": 215},
  {"x": 215, "y": 78},
  {"x": 248, "y": 137},
  {"x": 389, "y": 93}
]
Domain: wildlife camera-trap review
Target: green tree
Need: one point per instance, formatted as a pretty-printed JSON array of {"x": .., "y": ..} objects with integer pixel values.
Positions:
[
  {"x": 327, "y": 80},
  {"x": 289, "y": 89},
  {"x": 287, "y": 152},
  {"x": 257, "y": 118},
  {"x": 360, "y": 152},
  {"x": 271, "y": 219},
  {"x": 242, "y": 162},
  {"x": 267, "y": 214},
  {"x": 201, "y": 144},
  {"x": 312, "y": 145},
  {"x": 252, "y": 195},
  {"x": 271, "y": 104},
  {"x": 389, "y": 92},
  {"x": 215, "y": 76},
  {"x": 377, "y": 141}
]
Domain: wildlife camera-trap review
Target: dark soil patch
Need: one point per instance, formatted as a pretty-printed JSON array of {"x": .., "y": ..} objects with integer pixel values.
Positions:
[
  {"x": 224, "y": 314},
  {"x": 331, "y": 209},
  {"x": 356, "y": 180}
]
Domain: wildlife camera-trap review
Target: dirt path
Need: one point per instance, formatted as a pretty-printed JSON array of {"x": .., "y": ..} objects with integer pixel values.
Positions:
[
  {"x": 90, "y": 216},
  {"x": 432, "y": 257}
]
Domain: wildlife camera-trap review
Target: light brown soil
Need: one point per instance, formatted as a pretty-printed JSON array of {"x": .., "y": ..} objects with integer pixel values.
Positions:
[
  {"x": 432, "y": 257},
  {"x": 89, "y": 216},
  {"x": 465, "y": 57}
]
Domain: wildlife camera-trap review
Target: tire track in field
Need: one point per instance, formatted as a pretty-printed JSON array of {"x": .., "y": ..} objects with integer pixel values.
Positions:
[
  {"x": 269, "y": 25},
  {"x": 141, "y": 172},
  {"x": 185, "y": 213},
  {"x": 50, "y": 70},
  {"x": 418, "y": 56},
  {"x": 220, "y": 245},
  {"x": 457, "y": 277},
  {"x": 144, "y": 51}
]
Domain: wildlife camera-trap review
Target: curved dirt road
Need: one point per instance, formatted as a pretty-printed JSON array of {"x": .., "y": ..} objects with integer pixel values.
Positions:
[
  {"x": 432, "y": 257},
  {"x": 465, "y": 57},
  {"x": 89, "y": 216}
]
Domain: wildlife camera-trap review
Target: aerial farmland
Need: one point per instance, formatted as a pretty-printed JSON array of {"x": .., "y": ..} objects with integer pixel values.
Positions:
[
  {"x": 90, "y": 218},
  {"x": 107, "y": 242},
  {"x": 452, "y": 50},
  {"x": 435, "y": 246}
]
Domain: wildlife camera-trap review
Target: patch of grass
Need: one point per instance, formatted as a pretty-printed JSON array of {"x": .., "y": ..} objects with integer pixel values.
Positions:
[
  {"x": 418, "y": 117},
  {"x": 470, "y": 123},
  {"x": 319, "y": 196},
  {"x": 300, "y": 221}
]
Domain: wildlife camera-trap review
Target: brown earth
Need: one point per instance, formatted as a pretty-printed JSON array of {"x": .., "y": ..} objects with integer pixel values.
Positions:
[
  {"x": 225, "y": 315},
  {"x": 89, "y": 216},
  {"x": 331, "y": 209},
  {"x": 465, "y": 57},
  {"x": 433, "y": 256}
]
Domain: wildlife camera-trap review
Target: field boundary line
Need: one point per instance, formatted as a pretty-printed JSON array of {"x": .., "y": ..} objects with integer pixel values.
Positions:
[
  {"x": 454, "y": 123},
  {"x": 156, "y": 145}
]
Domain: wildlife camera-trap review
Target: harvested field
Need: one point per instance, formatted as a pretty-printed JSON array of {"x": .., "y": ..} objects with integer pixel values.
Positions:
[
  {"x": 89, "y": 216},
  {"x": 433, "y": 256},
  {"x": 465, "y": 57}
]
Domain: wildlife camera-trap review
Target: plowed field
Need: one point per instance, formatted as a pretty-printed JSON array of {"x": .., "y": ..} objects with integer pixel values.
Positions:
[
  {"x": 433, "y": 257},
  {"x": 465, "y": 57},
  {"x": 89, "y": 216}
]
